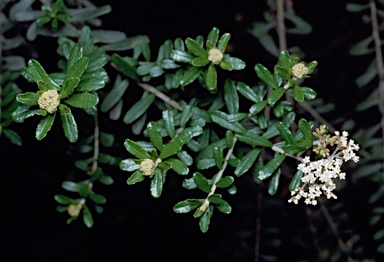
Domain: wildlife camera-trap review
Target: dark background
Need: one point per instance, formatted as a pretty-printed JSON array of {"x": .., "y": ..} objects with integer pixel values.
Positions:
[{"x": 136, "y": 227}]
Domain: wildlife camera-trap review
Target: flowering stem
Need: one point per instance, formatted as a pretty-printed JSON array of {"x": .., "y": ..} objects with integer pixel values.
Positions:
[
  {"x": 161, "y": 95},
  {"x": 281, "y": 151}
]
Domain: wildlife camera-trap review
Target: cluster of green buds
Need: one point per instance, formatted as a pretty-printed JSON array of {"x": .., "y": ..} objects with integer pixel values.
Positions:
[{"x": 54, "y": 13}]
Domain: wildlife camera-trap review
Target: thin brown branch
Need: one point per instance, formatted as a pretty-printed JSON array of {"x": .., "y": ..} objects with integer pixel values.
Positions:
[{"x": 161, "y": 95}]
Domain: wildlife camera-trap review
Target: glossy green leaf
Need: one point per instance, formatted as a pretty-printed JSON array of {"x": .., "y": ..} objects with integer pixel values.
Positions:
[
  {"x": 157, "y": 183},
  {"x": 206, "y": 163},
  {"x": 190, "y": 75},
  {"x": 276, "y": 95},
  {"x": 218, "y": 157},
  {"x": 200, "y": 61},
  {"x": 223, "y": 42},
  {"x": 231, "y": 97},
  {"x": 185, "y": 157},
  {"x": 127, "y": 43},
  {"x": 87, "y": 217},
  {"x": 12, "y": 136},
  {"x": 186, "y": 114},
  {"x": 205, "y": 219},
  {"x": 311, "y": 66},
  {"x": 139, "y": 108},
  {"x": 253, "y": 139},
  {"x": 296, "y": 180},
  {"x": 68, "y": 87},
  {"x": 85, "y": 100},
  {"x": 298, "y": 94},
  {"x": 71, "y": 186},
  {"x": 264, "y": 74},
  {"x": 114, "y": 96},
  {"x": 258, "y": 107},
  {"x": 224, "y": 207},
  {"x": 169, "y": 122},
  {"x": 156, "y": 71},
  {"x": 223, "y": 122},
  {"x": 213, "y": 36},
  {"x": 262, "y": 121},
  {"x": 247, "y": 92},
  {"x": 225, "y": 182},
  {"x": 28, "y": 98},
  {"x": 247, "y": 161},
  {"x": 285, "y": 133},
  {"x": 38, "y": 74},
  {"x": 214, "y": 198},
  {"x": 201, "y": 182},
  {"x": 267, "y": 170},
  {"x": 285, "y": 61},
  {"x": 78, "y": 69},
  {"x": 136, "y": 177},
  {"x": 97, "y": 198},
  {"x": 178, "y": 166},
  {"x": 136, "y": 150},
  {"x": 229, "y": 138},
  {"x": 155, "y": 135},
  {"x": 22, "y": 112},
  {"x": 187, "y": 205},
  {"x": 176, "y": 144},
  {"x": 278, "y": 109},
  {"x": 70, "y": 127},
  {"x": 181, "y": 56},
  {"x": 44, "y": 126},
  {"x": 128, "y": 165},
  {"x": 274, "y": 183},
  {"x": 236, "y": 63},
  {"x": 64, "y": 200},
  {"x": 125, "y": 67},
  {"x": 169, "y": 64},
  {"x": 210, "y": 77},
  {"x": 75, "y": 55},
  {"x": 305, "y": 129},
  {"x": 195, "y": 47},
  {"x": 282, "y": 72},
  {"x": 309, "y": 94},
  {"x": 89, "y": 13}
]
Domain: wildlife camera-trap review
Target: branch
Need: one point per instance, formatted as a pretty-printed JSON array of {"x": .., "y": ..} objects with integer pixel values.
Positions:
[{"x": 162, "y": 96}]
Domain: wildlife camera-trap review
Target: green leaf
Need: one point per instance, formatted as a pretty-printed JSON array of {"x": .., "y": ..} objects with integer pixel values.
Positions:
[
  {"x": 224, "y": 207},
  {"x": 169, "y": 122},
  {"x": 256, "y": 108},
  {"x": 186, "y": 114},
  {"x": 128, "y": 165},
  {"x": 70, "y": 127},
  {"x": 298, "y": 94},
  {"x": 218, "y": 157},
  {"x": 44, "y": 126},
  {"x": 157, "y": 183},
  {"x": 187, "y": 205},
  {"x": 178, "y": 166},
  {"x": 136, "y": 177},
  {"x": 285, "y": 61},
  {"x": 71, "y": 186},
  {"x": 311, "y": 66},
  {"x": 274, "y": 183},
  {"x": 155, "y": 135},
  {"x": 64, "y": 200},
  {"x": 68, "y": 87},
  {"x": 205, "y": 219},
  {"x": 206, "y": 163},
  {"x": 97, "y": 198},
  {"x": 351, "y": 7},
  {"x": 87, "y": 217},
  {"x": 247, "y": 161},
  {"x": 75, "y": 55},
  {"x": 282, "y": 72},
  {"x": 181, "y": 56},
  {"x": 125, "y": 67},
  {"x": 285, "y": 133},
  {"x": 126, "y": 43},
  {"x": 139, "y": 108},
  {"x": 210, "y": 77},
  {"x": 195, "y": 48},
  {"x": 309, "y": 94},
  {"x": 136, "y": 150},
  {"x": 201, "y": 182},
  {"x": 90, "y": 84},
  {"x": 229, "y": 138},
  {"x": 231, "y": 97},
  {"x": 87, "y": 14},
  {"x": 296, "y": 180},
  {"x": 38, "y": 74},
  {"x": 276, "y": 95},
  {"x": 267, "y": 170},
  {"x": 28, "y": 98},
  {"x": 223, "y": 42},
  {"x": 247, "y": 92},
  {"x": 200, "y": 61},
  {"x": 114, "y": 96},
  {"x": 213, "y": 36},
  {"x": 236, "y": 63},
  {"x": 223, "y": 122},
  {"x": 176, "y": 144},
  {"x": 190, "y": 75},
  {"x": 225, "y": 182},
  {"x": 78, "y": 69},
  {"x": 22, "y": 112},
  {"x": 12, "y": 136},
  {"x": 264, "y": 74},
  {"x": 278, "y": 109},
  {"x": 305, "y": 129},
  {"x": 253, "y": 139},
  {"x": 85, "y": 100}
]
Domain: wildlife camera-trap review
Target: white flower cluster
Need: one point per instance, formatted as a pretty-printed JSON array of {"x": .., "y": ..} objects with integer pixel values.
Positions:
[
  {"x": 215, "y": 55},
  {"x": 319, "y": 175},
  {"x": 49, "y": 100},
  {"x": 299, "y": 70},
  {"x": 147, "y": 167}
]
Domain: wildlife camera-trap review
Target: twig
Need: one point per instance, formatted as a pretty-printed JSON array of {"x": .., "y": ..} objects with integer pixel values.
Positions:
[
  {"x": 161, "y": 95},
  {"x": 334, "y": 229},
  {"x": 96, "y": 148},
  {"x": 379, "y": 63}
]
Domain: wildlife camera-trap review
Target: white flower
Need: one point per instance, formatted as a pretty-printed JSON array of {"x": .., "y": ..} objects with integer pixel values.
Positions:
[
  {"x": 147, "y": 166},
  {"x": 299, "y": 70},
  {"x": 49, "y": 100},
  {"x": 215, "y": 55}
]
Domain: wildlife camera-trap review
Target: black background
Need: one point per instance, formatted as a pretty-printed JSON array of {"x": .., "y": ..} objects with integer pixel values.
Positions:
[{"x": 136, "y": 227}]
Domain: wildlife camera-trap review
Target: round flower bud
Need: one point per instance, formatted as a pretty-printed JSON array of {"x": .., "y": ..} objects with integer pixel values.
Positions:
[
  {"x": 147, "y": 166},
  {"x": 215, "y": 55},
  {"x": 299, "y": 70},
  {"x": 49, "y": 100},
  {"x": 74, "y": 210}
]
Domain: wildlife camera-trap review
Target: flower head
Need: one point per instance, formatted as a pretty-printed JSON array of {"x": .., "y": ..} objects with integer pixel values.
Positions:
[
  {"x": 215, "y": 55},
  {"x": 147, "y": 166},
  {"x": 49, "y": 100},
  {"x": 299, "y": 70}
]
